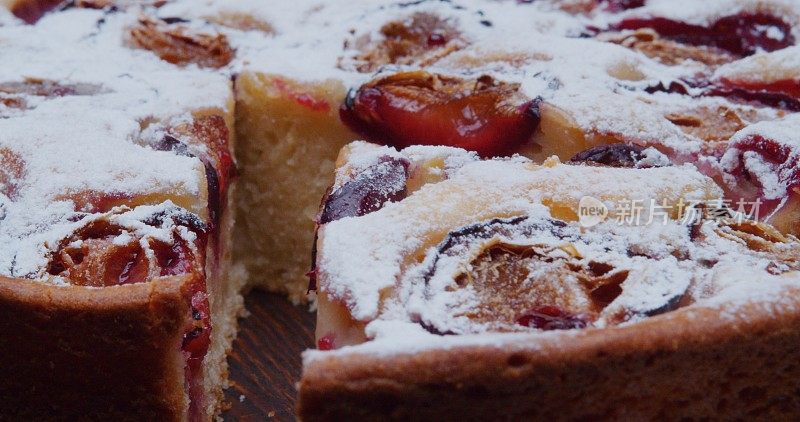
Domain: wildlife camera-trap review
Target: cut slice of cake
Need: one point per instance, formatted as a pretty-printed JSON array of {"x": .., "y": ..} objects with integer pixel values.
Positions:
[
  {"x": 466, "y": 288},
  {"x": 118, "y": 298}
]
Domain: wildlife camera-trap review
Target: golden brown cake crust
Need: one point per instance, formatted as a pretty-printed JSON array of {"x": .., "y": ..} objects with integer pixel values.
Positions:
[
  {"x": 691, "y": 363},
  {"x": 110, "y": 353}
]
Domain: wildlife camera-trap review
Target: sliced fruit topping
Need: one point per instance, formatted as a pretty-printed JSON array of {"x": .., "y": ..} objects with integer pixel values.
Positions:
[
  {"x": 621, "y": 5},
  {"x": 712, "y": 124},
  {"x": 768, "y": 171},
  {"x": 531, "y": 273},
  {"x": 741, "y": 34},
  {"x": 776, "y": 94},
  {"x": 367, "y": 191},
  {"x": 31, "y": 11},
  {"x": 616, "y": 155},
  {"x": 770, "y": 164},
  {"x": 788, "y": 87},
  {"x": 180, "y": 45},
  {"x": 784, "y": 94},
  {"x": 510, "y": 279},
  {"x": 207, "y": 138},
  {"x": 419, "y": 39},
  {"x": 552, "y": 318},
  {"x": 14, "y": 94},
  {"x": 12, "y": 172},
  {"x": 649, "y": 43},
  {"x": 504, "y": 286},
  {"x": 758, "y": 236},
  {"x": 105, "y": 252},
  {"x": 782, "y": 248},
  {"x": 483, "y": 115},
  {"x": 13, "y": 103}
]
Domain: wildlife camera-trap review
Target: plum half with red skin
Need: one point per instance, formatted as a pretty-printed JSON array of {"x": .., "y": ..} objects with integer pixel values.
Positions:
[
  {"x": 483, "y": 115},
  {"x": 181, "y": 45},
  {"x": 366, "y": 192},
  {"x": 94, "y": 255},
  {"x": 611, "y": 155},
  {"x": 207, "y": 138},
  {"x": 416, "y": 39},
  {"x": 549, "y": 318},
  {"x": 742, "y": 34},
  {"x": 783, "y": 94},
  {"x": 99, "y": 254},
  {"x": 780, "y": 94},
  {"x": 780, "y": 159},
  {"x": 31, "y": 11}
]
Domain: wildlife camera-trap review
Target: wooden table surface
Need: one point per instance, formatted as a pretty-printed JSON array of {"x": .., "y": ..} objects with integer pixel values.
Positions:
[{"x": 265, "y": 363}]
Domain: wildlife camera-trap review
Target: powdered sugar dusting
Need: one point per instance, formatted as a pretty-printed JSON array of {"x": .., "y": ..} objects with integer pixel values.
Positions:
[
  {"x": 389, "y": 269},
  {"x": 93, "y": 142},
  {"x": 351, "y": 247},
  {"x": 773, "y": 178},
  {"x": 89, "y": 143},
  {"x": 764, "y": 67}
]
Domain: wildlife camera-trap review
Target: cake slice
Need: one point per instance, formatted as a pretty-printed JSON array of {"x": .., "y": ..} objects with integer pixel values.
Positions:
[
  {"x": 452, "y": 287},
  {"x": 118, "y": 296}
]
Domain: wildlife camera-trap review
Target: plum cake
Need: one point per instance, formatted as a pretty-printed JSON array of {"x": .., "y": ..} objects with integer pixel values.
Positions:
[
  {"x": 504, "y": 78},
  {"x": 516, "y": 195},
  {"x": 118, "y": 298},
  {"x": 453, "y": 287}
]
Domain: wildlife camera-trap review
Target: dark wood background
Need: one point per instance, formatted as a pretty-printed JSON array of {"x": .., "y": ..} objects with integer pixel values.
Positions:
[{"x": 265, "y": 363}]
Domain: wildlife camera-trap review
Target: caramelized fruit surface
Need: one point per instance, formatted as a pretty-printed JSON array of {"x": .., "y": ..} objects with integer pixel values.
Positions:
[
  {"x": 516, "y": 284},
  {"x": 207, "y": 138},
  {"x": 418, "y": 39},
  {"x": 180, "y": 45},
  {"x": 741, "y": 34},
  {"x": 483, "y": 115},
  {"x": 106, "y": 253},
  {"x": 367, "y": 191}
]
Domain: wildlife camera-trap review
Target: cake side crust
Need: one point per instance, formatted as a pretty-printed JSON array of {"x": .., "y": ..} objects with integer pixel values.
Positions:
[
  {"x": 70, "y": 352},
  {"x": 690, "y": 363}
]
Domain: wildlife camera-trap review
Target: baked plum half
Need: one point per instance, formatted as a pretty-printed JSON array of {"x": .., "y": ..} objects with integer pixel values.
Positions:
[
  {"x": 765, "y": 171},
  {"x": 741, "y": 34},
  {"x": 123, "y": 247},
  {"x": 490, "y": 117}
]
